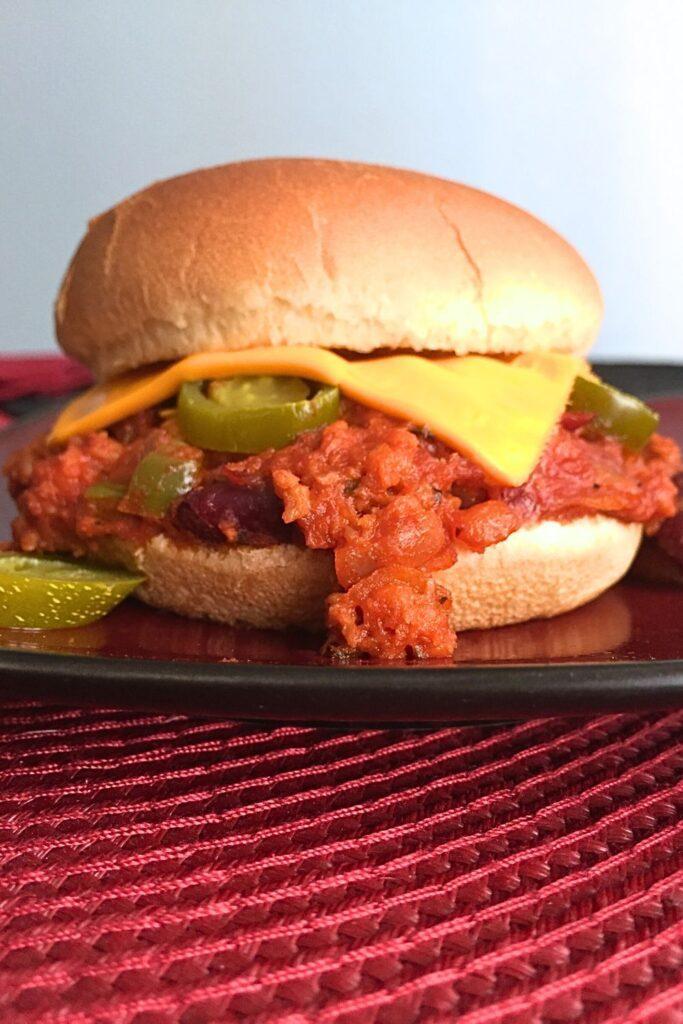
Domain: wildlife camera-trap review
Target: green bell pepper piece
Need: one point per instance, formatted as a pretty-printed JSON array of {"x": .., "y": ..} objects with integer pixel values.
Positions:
[
  {"x": 159, "y": 479},
  {"x": 106, "y": 490}
]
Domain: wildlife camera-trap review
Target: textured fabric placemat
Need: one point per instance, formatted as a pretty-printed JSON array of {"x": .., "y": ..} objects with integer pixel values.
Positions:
[
  {"x": 159, "y": 869},
  {"x": 25, "y": 378}
]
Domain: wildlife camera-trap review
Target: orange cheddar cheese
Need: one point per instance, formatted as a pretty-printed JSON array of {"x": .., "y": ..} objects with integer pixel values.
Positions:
[{"x": 499, "y": 414}]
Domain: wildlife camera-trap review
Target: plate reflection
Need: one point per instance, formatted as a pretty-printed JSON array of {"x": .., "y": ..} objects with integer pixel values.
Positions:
[{"x": 136, "y": 631}]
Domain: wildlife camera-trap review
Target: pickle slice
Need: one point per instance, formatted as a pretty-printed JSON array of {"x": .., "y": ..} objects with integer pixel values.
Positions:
[
  {"x": 45, "y": 592},
  {"x": 247, "y": 415},
  {"x": 616, "y": 413}
]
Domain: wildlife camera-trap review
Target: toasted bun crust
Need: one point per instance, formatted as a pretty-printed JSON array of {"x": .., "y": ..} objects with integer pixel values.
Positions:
[
  {"x": 319, "y": 252},
  {"x": 538, "y": 572}
]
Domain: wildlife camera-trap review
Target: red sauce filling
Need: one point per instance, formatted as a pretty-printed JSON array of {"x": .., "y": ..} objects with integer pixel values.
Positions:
[
  {"x": 391, "y": 503},
  {"x": 49, "y": 488},
  {"x": 395, "y": 505}
]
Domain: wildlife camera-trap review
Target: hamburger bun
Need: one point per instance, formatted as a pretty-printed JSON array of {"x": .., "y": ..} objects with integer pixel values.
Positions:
[
  {"x": 537, "y": 572},
  {"x": 319, "y": 252}
]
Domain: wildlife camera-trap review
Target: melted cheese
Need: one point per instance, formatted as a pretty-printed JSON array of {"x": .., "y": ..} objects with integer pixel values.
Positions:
[{"x": 498, "y": 414}]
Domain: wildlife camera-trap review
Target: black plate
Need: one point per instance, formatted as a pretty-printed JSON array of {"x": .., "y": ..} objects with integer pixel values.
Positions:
[{"x": 622, "y": 652}]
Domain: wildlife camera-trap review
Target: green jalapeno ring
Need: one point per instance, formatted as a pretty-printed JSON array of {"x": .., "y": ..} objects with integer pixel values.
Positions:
[
  {"x": 255, "y": 416},
  {"x": 259, "y": 392},
  {"x": 617, "y": 414},
  {"x": 47, "y": 592}
]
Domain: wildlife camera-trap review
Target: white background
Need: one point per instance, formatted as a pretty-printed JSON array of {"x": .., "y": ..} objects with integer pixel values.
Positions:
[{"x": 573, "y": 110}]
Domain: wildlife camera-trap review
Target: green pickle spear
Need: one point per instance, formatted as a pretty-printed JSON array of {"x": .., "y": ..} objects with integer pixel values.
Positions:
[
  {"x": 45, "y": 592},
  {"x": 247, "y": 415},
  {"x": 616, "y": 413}
]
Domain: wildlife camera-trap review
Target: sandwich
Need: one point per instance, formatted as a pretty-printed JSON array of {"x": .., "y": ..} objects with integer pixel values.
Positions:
[{"x": 339, "y": 396}]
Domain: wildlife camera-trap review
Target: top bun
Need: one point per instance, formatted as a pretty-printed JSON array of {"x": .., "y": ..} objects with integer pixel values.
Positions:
[{"x": 319, "y": 252}]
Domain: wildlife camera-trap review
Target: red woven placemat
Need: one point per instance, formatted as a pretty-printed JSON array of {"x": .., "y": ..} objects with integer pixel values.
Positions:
[
  {"x": 159, "y": 869},
  {"x": 35, "y": 374}
]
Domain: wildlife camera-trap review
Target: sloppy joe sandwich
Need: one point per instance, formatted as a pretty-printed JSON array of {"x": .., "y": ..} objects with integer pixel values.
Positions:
[{"x": 341, "y": 396}]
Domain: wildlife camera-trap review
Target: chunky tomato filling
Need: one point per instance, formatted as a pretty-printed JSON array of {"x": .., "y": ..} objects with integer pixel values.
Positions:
[
  {"x": 390, "y": 502},
  {"x": 394, "y": 506}
]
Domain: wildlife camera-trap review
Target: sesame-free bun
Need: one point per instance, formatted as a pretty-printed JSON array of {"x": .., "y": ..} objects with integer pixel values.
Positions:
[
  {"x": 539, "y": 571},
  {"x": 270, "y": 588},
  {"x": 319, "y": 252}
]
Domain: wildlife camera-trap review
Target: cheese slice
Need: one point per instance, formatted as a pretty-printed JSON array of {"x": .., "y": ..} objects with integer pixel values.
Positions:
[{"x": 499, "y": 414}]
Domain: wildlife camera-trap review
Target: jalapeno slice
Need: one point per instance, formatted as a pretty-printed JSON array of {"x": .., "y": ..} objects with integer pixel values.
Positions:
[
  {"x": 247, "y": 415},
  {"x": 617, "y": 414},
  {"x": 45, "y": 592},
  {"x": 261, "y": 392}
]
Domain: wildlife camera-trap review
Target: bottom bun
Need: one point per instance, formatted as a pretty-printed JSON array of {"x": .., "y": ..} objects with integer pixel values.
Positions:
[
  {"x": 271, "y": 588},
  {"x": 539, "y": 571}
]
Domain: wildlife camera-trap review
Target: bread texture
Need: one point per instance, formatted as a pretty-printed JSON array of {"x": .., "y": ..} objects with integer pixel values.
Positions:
[
  {"x": 538, "y": 572},
  {"x": 270, "y": 588},
  {"x": 319, "y": 252}
]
